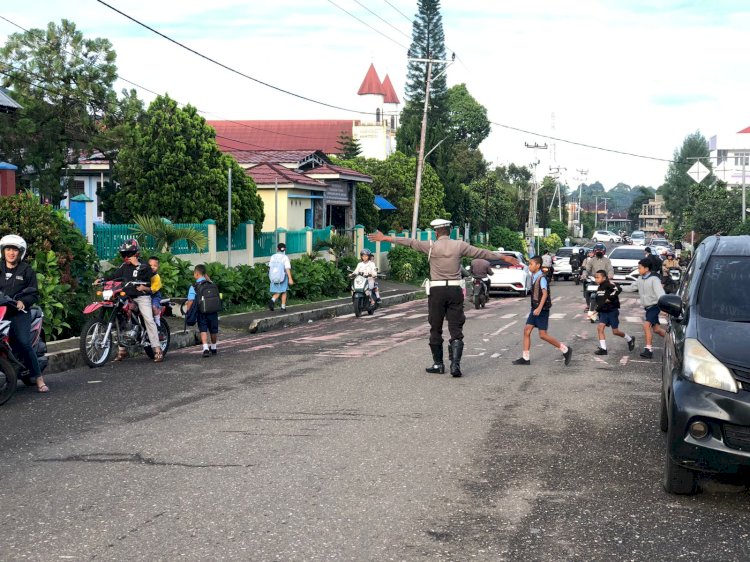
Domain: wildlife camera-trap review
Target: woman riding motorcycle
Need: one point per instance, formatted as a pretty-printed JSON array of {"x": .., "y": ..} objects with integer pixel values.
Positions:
[
  {"x": 18, "y": 281},
  {"x": 136, "y": 278}
]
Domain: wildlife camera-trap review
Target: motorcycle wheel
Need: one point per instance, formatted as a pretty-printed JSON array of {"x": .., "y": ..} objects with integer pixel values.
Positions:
[
  {"x": 95, "y": 352},
  {"x": 357, "y": 305},
  {"x": 165, "y": 337},
  {"x": 577, "y": 279},
  {"x": 8, "y": 380},
  {"x": 477, "y": 304}
]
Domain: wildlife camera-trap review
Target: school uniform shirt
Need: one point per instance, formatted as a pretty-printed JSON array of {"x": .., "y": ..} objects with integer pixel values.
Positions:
[
  {"x": 607, "y": 298},
  {"x": 366, "y": 268},
  {"x": 649, "y": 290}
]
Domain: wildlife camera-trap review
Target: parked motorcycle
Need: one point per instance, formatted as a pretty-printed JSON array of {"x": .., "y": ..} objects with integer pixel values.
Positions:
[
  {"x": 12, "y": 368},
  {"x": 361, "y": 294},
  {"x": 480, "y": 293},
  {"x": 116, "y": 321}
]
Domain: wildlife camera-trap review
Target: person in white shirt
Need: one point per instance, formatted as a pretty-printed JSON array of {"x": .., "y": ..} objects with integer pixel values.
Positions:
[
  {"x": 368, "y": 268},
  {"x": 280, "y": 275}
]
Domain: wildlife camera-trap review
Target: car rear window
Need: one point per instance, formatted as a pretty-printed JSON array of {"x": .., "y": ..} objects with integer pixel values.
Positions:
[
  {"x": 721, "y": 294},
  {"x": 564, "y": 252},
  {"x": 627, "y": 254}
]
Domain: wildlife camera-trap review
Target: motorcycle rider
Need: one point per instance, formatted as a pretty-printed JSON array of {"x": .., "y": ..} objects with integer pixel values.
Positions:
[
  {"x": 653, "y": 260},
  {"x": 18, "y": 281},
  {"x": 368, "y": 268},
  {"x": 670, "y": 262},
  {"x": 482, "y": 269},
  {"x": 547, "y": 265},
  {"x": 598, "y": 262},
  {"x": 137, "y": 277}
]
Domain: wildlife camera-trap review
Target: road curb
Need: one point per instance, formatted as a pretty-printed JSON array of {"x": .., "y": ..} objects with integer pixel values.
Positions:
[{"x": 282, "y": 320}]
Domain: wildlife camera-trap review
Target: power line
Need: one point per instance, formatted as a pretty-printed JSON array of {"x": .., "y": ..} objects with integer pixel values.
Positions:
[
  {"x": 385, "y": 21},
  {"x": 227, "y": 67},
  {"x": 407, "y": 18},
  {"x": 363, "y": 22}
]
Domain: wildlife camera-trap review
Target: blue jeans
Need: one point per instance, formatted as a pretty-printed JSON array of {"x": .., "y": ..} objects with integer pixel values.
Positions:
[{"x": 20, "y": 335}]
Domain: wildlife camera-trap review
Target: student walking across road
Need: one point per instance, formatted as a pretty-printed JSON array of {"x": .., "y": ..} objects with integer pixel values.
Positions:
[{"x": 608, "y": 309}]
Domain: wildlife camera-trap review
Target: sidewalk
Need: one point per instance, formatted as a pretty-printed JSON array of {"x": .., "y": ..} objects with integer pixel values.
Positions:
[{"x": 65, "y": 354}]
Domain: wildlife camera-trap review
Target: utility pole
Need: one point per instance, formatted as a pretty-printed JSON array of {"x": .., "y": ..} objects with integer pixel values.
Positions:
[
  {"x": 605, "y": 211},
  {"x": 534, "y": 188},
  {"x": 423, "y": 134},
  {"x": 583, "y": 173},
  {"x": 229, "y": 219},
  {"x": 596, "y": 212},
  {"x": 558, "y": 192},
  {"x": 744, "y": 197}
]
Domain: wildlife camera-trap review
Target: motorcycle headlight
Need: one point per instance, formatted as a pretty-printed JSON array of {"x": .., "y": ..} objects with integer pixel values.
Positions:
[
  {"x": 703, "y": 368},
  {"x": 107, "y": 295}
]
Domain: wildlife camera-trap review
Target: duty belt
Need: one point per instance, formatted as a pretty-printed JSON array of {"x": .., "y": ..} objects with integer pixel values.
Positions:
[{"x": 446, "y": 283}]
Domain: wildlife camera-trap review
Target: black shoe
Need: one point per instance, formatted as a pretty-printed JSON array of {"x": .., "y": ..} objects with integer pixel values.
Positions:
[
  {"x": 206, "y": 353},
  {"x": 522, "y": 361},
  {"x": 437, "y": 359},
  {"x": 567, "y": 355},
  {"x": 600, "y": 351},
  {"x": 631, "y": 344},
  {"x": 438, "y": 368},
  {"x": 271, "y": 304},
  {"x": 214, "y": 351},
  {"x": 457, "y": 347},
  {"x": 647, "y": 354},
  {"x": 283, "y": 309}
]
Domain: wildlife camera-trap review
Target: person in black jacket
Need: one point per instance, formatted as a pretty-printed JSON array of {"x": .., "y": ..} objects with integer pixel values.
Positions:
[
  {"x": 18, "y": 281},
  {"x": 608, "y": 307},
  {"x": 653, "y": 260}
]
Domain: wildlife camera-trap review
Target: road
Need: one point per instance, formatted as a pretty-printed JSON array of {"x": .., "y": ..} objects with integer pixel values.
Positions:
[{"x": 330, "y": 442}]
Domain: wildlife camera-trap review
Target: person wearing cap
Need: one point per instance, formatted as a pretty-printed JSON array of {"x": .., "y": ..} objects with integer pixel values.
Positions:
[
  {"x": 445, "y": 297},
  {"x": 280, "y": 275}
]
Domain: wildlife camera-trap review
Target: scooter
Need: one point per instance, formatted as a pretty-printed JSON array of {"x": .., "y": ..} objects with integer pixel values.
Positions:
[
  {"x": 672, "y": 282},
  {"x": 11, "y": 367},
  {"x": 590, "y": 289},
  {"x": 480, "y": 293},
  {"x": 361, "y": 294}
]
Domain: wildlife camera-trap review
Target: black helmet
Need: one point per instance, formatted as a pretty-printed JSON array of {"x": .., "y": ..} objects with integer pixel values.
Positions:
[
  {"x": 130, "y": 248},
  {"x": 599, "y": 247}
]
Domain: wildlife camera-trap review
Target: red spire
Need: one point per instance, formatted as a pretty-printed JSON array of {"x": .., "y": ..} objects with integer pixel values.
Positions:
[
  {"x": 389, "y": 92},
  {"x": 371, "y": 84},
  {"x": 745, "y": 130}
]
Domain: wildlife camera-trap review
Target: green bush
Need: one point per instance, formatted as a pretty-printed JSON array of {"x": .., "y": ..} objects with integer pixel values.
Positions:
[
  {"x": 551, "y": 243},
  {"x": 407, "y": 264},
  {"x": 559, "y": 228},
  {"x": 507, "y": 239},
  {"x": 54, "y": 296},
  {"x": 314, "y": 279}
]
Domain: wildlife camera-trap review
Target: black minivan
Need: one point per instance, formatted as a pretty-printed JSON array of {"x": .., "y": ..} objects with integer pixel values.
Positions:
[{"x": 705, "y": 395}]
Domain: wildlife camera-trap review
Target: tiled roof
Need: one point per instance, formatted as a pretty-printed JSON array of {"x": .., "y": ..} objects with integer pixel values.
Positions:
[
  {"x": 330, "y": 170},
  {"x": 6, "y": 102},
  {"x": 268, "y": 173},
  {"x": 745, "y": 130},
  {"x": 273, "y": 156},
  {"x": 308, "y": 135},
  {"x": 371, "y": 84},
  {"x": 388, "y": 91}
]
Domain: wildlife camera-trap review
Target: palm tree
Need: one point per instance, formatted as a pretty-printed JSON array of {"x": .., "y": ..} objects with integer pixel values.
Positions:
[{"x": 164, "y": 234}]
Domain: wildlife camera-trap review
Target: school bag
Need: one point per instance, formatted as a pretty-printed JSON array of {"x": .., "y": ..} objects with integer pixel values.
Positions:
[
  {"x": 276, "y": 270},
  {"x": 207, "y": 297}
]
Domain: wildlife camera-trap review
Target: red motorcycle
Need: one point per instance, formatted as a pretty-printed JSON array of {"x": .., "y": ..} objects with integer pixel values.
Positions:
[
  {"x": 116, "y": 321},
  {"x": 10, "y": 366}
]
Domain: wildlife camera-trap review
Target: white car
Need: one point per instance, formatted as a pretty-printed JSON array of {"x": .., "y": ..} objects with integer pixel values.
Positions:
[
  {"x": 513, "y": 279},
  {"x": 625, "y": 263},
  {"x": 605, "y": 236}
]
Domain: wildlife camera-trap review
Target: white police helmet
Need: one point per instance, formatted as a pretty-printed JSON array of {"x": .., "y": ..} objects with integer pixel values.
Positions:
[
  {"x": 15, "y": 241},
  {"x": 440, "y": 223}
]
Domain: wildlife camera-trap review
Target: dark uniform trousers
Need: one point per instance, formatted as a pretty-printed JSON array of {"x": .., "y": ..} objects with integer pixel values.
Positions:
[{"x": 445, "y": 303}]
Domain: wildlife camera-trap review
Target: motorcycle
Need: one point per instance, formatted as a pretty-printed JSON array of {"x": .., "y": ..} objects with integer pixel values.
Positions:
[
  {"x": 480, "y": 293},
  {"x": 12, "y": 368},
  {"x": 116, "y": 321},
  {"x": 627, "y": 240},
  {"x": 672, "y": 281},
  {"x": 361, "y": 294},
  {"x": 589, "y": 293}
]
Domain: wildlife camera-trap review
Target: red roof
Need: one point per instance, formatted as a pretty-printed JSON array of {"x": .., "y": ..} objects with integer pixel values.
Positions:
[
  {"x": 745, "y": 130},
  {"x": 330, "y": 169},
  {"x": 273, "y": 156},
  {"x": 388, "y": 91},
  {"x": 268, "y": 174},
  {"x": 308, "y": 135},
  {"x": 371, "y": 84}
]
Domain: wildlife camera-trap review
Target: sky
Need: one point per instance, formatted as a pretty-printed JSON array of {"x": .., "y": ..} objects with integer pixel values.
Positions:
[{"x": 630, "y": 75}]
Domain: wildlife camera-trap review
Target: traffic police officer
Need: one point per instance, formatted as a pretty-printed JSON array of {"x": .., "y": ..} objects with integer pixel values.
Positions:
[{"x": 445, "y": 296}]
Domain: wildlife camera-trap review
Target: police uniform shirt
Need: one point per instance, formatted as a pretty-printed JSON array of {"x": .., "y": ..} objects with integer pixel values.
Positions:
[{"x": 445, "y": 255}]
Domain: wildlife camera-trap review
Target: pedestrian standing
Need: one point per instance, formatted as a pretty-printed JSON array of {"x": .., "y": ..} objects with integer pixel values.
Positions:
[
  {"x": 208, "y": 322},
  {"x": 541, "y": 303},
  {"x": 280, "y": 275},
  {"x": 445, "y": 298},
  {"x": 649, "y": 291},
  {"x": 678, "y": 248},
  {"x": 608, "y": 308}
]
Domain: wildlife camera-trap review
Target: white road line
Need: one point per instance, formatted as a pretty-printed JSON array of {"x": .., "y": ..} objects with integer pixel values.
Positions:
[
  {"x": 624, "y": 360},
  {"x": 506, "y": 316},
  {"x": 633, "y": 319},
  {"x": 477, "y": 355},
  {"x": 558, "y": 315},
  {"x": 503, "y": 328},
  {"x": 494, "y": 355}
]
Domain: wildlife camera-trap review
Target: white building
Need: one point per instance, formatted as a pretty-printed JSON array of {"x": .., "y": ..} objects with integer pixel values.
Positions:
[{"x": 728, "y": 152}]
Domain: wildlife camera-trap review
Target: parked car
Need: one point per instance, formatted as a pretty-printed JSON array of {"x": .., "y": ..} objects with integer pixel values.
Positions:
[
  {"x": 510, "y": 279},
  {"x": 705, "y": 392},
  {"x": 561, "y": 262},
  {"x": 606, "y": 236},
  {"x": 638, "y": 238},
  {"x": 625, "y": 263}
]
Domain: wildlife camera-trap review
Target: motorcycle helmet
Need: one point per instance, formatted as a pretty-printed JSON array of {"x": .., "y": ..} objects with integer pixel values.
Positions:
[
  {"x": 130, "y": 248},
  {"x": 13, "y": 241},
  {"x": 600, "y": 248},
  {"x": 365, "y": 252}
]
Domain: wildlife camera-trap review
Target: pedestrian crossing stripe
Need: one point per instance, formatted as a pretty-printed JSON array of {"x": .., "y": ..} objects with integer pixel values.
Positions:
[
  {"x": 558, "y": 315},
  {"x": 506, "y": 316}
]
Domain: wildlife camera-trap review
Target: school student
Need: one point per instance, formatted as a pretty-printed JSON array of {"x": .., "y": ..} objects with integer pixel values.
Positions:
[
  {"x": 649, "y": 291},
  {"x": 608, "y": 308}
]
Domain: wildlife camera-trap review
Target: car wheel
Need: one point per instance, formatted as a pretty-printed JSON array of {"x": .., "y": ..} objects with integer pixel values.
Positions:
[
  {"x": 594, "y": 240},
  {"x": 677, "y": 479}
]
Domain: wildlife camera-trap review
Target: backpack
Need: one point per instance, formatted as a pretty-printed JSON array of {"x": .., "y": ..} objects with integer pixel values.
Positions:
[
  {"x": 276, "y": 270},
  {"x": 207, "y": 297}
]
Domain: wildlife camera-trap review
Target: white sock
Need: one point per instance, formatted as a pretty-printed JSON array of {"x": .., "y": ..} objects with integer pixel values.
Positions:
[
  {"x": 628, "y": 338},
  {"x": 283, "y": 307},
  {"x": 526, "y": 355},
  {"x": 273, "y": 299},
  {"x": 205, "y": 346},
  {"x": 650, "y": 348},
  {"x": 213, "y": 346},
  {"x": 563, "y": 348},
  {"x": 603, "y": 344}
]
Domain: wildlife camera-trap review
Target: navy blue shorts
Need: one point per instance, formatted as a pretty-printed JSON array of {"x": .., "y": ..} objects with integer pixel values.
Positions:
[
  {"x": 652, "y": 315},
  {"x": 208, "y": 322},
  {"x": 540, "y": 322},
  {"x": 611, "y": 318}
]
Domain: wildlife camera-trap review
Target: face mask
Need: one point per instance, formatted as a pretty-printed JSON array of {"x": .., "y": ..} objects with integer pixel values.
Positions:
[{"x": 599, "y": 254}]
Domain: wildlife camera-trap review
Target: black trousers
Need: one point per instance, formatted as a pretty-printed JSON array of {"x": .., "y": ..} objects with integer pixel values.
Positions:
[
  {"x": 445, "y": 303},
  {"x": 20, "y": 337}
]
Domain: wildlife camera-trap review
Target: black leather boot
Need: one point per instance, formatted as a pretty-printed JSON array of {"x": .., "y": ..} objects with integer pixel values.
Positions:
[
  {"x": 457, "y": 347},
  {"x": 437, "y": 359}
]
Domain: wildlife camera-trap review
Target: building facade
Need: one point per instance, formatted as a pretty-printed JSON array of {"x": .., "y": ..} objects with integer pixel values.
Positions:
[
  {"x": 653, "y": 217},
  {"x": 728, "y": 152}
]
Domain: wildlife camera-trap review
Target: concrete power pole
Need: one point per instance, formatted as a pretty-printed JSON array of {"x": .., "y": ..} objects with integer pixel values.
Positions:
[
  {"x": 583, "y": 173},
  {"x": 534, "y": 188}
]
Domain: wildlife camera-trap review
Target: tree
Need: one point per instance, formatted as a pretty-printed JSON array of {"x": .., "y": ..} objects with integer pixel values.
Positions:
[
  {"x": 350, "y": 148},
  {"x": 713, "y": 209},
  {"x": 489, "y": 204},
  {"x": 171, "y": 166},
  {"x": 163, "y": 234},
  {"x": 641, "y": 197},
  {"x": 677, "y": 183},
  {"x": 467, "y": 118},
  {"x": 367, "y": 214},
  {"x": 559, "y": 228},
  {"x": 507, "y": 239},
  {"x": 394, "y": 178},
  {"x": 64, "y": 83}
]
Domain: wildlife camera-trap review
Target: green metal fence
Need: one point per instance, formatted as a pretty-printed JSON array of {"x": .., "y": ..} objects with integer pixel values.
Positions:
[
  {"x": 239, "y": 239},
  {"x": 320, "y": 234},
  {"x": 265, "y": 244},
  {"x": 181, "y": 247},
  {"x": 296, "y": 241},
  {"x": 109, "y": 237}
]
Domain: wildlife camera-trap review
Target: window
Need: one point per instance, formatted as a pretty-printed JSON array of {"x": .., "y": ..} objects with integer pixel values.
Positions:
[
  {"x": 393, "y": 121},
  {"x": 718, "y": 293},
  {"x": 76, "y": 187},
  {"x": 377, "y": 115},
  {"x": 742, "y": 158}
]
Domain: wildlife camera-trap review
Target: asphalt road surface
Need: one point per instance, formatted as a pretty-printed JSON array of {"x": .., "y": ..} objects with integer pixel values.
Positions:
[{"x": 328, "y": 441}]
